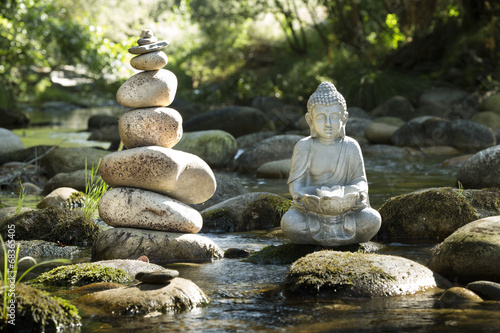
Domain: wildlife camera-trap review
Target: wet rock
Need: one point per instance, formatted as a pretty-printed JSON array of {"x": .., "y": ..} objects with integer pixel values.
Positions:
[
  {"x": 357, "y": 112},
  {"x": 215, "y": 147},
  {"x": 492, "y": 103},
  {"x": 12, "y": 118},
  {"x": 158, "y": 246},
  {"x": 249, "y": 140},
  {"x": 179, "y": 295},
  {"x": 467, "y": 255},
  {"x": 380, "y": 133},
  {"x": 101, "y": 121},
  {"x": 275, "y": 169},
  {"x": 148, "y": 89},
  {"x": 157, "y": 277},
  {"x": 356, "y": 126},
  {"x": 488, "y": 118},
  {"x": 36, "y": 311},
  {"x": 486, "y": 289},
  {"x": 53, "y": 224},
  {"x": 453, "y": 103},
  {"x": 236, "y": 253},
  {"x": 439, "y": 150},
  {"x": 481, "y": 170},
  {"x": 9, "y": 141},
  {"x": 150, "y": 127},
  {"x": 135, "y": 208},
  {"x": 227, "y": 187},
  {"x": 75, "y": 180},
  {"x": 458, "y": 295},
  {"x": 149, "y": 61},
  {"x": 71, "y": 159},
  {"x": 276, "y": 148},
  {"x": 82, "y": 274},
  {"x": 236, "y": 120},
  {"x": 95, "y": 287},
  {"x": 457, "y": 161},
  {"x": 333, "y": 274},
  {"x": 434, "y": 214},
  {"x": 397, "y": 106},
  {"x": 23, "y": 155},
  {"x": 60, "y": 197},
  {"x": 177, "y": 174},
  {"x": 251, "y": 211},
  {"x": 465, "y": 135},
  {"x": 129, "y": 266}
]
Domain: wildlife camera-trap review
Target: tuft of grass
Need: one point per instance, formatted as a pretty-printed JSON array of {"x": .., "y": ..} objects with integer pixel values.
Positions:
[
  {"x": 8, "y": 277},
  {"x": 20, "y": 201},
  {"x": 95, "y": 188}
]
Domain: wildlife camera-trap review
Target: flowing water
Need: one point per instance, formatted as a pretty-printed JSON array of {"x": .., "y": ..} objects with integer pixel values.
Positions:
[{"x": 246, "y": 297}]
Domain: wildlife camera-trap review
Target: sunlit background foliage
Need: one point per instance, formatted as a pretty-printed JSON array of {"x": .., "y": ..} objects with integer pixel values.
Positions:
[{"x": 226, "y": 52}]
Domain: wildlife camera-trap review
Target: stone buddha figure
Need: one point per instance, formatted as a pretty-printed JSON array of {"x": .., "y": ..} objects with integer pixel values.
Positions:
[{"x": 327, "y": 179}]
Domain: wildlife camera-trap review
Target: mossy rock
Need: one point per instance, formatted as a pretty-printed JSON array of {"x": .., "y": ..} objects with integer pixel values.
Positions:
[
  {"x": 246, "y": 212},
  {"x": 82, "y": 274},
  {"x": 53, "y": 224},
  {"x": 434, "y": 214},
  {"x": 37, "y": 311},
  {"x": 333, "y": 274},
  {"x": 471, "y": 253}
]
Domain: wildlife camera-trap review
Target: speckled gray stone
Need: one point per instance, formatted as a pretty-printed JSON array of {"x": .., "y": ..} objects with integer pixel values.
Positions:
[{"x": 157, "y": 277}]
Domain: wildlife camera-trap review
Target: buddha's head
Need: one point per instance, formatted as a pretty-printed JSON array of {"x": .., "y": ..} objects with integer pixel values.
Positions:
[{"x": 326, "y": 111}]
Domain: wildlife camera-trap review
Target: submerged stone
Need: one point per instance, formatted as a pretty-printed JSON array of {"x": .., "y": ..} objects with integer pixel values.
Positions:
[{"x": 458, "y": 295}]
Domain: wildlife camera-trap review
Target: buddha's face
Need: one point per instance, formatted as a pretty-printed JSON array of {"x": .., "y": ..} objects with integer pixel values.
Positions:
[{"x": 326, "y": 121}]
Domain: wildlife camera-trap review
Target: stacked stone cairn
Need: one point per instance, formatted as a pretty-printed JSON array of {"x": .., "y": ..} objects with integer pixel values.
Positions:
[{"x": 151, "y": 183}]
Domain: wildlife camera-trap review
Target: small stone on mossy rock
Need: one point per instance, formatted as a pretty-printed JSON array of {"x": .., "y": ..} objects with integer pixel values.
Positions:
[
  {"x": 434, "y": 214},
  {"x": 236, "y": 253},
  {"x": 53, "y": 224},
  {"x": 178, "y": 295},
  {"x": 334, "y": 274},
  {"x": 37, "y": 311},
  {"x": 157, "y": 277},
  {"x": 82, "y": 274}
]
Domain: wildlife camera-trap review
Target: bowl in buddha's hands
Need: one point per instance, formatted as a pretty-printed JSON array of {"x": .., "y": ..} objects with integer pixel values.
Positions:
[{"x": 330, "y": 201}]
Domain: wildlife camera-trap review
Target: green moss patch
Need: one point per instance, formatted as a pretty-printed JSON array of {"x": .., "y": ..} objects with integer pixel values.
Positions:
[
  {"x": 82, "y": 274},
  {"x": 37, "y": 311}
]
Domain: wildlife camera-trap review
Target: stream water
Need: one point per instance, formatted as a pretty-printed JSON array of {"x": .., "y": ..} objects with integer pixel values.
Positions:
[{"x": 246, "y": 297}]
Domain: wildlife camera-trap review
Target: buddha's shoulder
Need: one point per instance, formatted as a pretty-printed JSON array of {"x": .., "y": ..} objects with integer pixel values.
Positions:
[
  {"x": 351, "y": 143},
  {"x": 304, "y": 141}
]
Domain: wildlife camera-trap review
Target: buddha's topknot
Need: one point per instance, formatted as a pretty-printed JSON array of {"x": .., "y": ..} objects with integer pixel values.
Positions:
[{"x": 326, "y": 94}]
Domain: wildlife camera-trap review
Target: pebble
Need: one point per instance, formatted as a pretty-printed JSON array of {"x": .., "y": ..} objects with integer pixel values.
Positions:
[
  {"x": 486, "y": 289},
  {"x": 141, "y": 49},
  {"x": 157, "y": 277},
  {"x": 149, "y": 61},
  {"x": 147, "y": 40}
]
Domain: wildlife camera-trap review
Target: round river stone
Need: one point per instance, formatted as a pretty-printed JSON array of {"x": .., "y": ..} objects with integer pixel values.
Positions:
[
  {"x": 149, "y": 61},
  {"x": 150, "y": 127},
  {"x": 148, "y": 89}
]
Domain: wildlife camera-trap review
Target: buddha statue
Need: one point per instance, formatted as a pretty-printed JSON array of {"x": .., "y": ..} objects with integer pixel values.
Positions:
[{"x": 327, "y": 179}]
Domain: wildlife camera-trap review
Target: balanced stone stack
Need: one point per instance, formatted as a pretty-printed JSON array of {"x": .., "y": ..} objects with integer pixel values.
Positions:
[{"x": 151, "y": 182}]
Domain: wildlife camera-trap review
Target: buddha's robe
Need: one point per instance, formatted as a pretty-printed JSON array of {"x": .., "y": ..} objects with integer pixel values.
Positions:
[{"x": 345, "y": 167}]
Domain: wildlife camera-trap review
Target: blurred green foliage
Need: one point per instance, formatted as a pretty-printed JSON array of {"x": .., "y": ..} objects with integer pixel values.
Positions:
[{"x": 226, "y": 52}]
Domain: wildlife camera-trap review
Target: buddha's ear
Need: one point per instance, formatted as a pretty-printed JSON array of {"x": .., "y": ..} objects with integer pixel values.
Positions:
[{"x": 309, "y": 119}]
